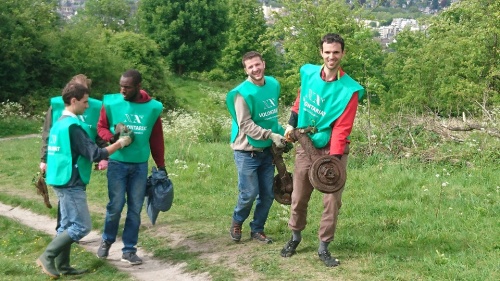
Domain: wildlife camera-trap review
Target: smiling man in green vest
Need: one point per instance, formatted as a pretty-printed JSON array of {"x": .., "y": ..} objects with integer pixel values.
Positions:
[
  {"x": 327, "y": 100},
  {"x": 253, "y": 106}
]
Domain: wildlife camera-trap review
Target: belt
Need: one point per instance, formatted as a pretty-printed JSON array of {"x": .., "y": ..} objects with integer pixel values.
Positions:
[{"x": 254, "y": 151}]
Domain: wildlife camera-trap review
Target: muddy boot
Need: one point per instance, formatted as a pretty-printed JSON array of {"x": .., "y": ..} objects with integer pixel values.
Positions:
[
  {"x": 47, "y": 259},
  {"x": 63, "y": 265}
]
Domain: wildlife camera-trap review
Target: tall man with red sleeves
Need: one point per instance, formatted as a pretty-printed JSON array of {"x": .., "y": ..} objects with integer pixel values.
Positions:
[{"x": 328, "y": 101}]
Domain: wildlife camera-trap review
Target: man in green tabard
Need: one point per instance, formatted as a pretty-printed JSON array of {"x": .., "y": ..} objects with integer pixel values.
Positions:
[
  {"x": 253, "y": 106},
  {"x": 327, "y": 100},
  {"x": 70, "y": 153}
]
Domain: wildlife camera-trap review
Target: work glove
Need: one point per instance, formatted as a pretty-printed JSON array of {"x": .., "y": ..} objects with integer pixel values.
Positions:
[
  {"x": 278, "y": 140},
  {"x": 43, "y": 167},
  {"x": 119, "y": 128},
  {"x": 102, "y": 165},
  {"x": 288, "y": 130},
  {"x": 126, "y": 138}
]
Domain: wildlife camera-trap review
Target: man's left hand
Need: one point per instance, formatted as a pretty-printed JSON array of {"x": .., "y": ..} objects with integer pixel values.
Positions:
[{"x": 103, "y": 165}]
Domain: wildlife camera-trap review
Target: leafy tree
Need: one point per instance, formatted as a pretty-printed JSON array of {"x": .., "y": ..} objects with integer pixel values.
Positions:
[
  {"x": 301, "y": 27},
  {"x": 112, "y": 14},
  {"x": 454, "y": 66},
  {"x": 24, "y": 27},
  {"x": 246, "y": 27},
  {"x": 142, "y": 53},
  {"x": 190, "y": 33}
]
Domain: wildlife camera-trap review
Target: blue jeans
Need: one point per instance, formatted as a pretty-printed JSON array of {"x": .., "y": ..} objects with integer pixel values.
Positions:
[
  {"x": 75, "y": 215},
  {"x": 255, "y": 183},
  {"x": 126, "y": 183}
]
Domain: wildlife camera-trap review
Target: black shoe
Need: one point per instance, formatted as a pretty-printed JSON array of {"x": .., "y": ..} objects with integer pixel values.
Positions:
[
  {"x": 235, "y": 231},
  {"x": 289, "y": 249},
  {"x": 103, "y": 250},
  {"x": 261, "y": 237},
  {"x": 327, "y": 258},
  {"x": 131, "y": 258}
]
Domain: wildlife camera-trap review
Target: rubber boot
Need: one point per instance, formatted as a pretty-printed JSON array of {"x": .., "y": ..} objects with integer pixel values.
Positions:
[
  {"x": 63, "y": 265},
  {"x": 47, "y": 259}
]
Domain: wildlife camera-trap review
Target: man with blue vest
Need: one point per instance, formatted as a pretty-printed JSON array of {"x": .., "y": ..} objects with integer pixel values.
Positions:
[
  {"x": 128, "y": 168},
  {"x": 253, "y": 106},
  {"x": 69, "y": 163},
  {"x": 328, "y": 101}
]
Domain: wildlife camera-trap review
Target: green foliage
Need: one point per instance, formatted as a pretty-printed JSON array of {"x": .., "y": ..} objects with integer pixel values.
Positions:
[
  {"x": 89, "y": 55},
  {"x": 300, "y": 29},
  {"x": 111, "y": 14},
  {"x": 14, "y": 120},
  {"x": 451, "y": 68},
  {"x": 24, "y": 25},
  {"x": 246, "y": 26},
  {"x": 141, "y": 53},
  {"x": 190, "y": 33}
]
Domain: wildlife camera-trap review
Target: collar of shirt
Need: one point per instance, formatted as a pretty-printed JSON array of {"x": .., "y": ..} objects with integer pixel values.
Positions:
[
  {"x": 323, "y": 74},
  {"x": 68, "y": 113}
]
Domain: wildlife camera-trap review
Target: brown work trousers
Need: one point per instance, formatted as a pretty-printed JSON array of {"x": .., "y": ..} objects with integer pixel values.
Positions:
[{"x": 302, "y": 190}]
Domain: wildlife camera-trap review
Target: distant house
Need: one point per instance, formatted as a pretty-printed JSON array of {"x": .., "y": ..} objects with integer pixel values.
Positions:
[{"x": 68, "y": 8}]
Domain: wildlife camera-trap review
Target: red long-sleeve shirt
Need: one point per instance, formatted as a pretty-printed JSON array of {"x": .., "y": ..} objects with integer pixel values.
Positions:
[
  {"x": 156, "y": 141},
  {"x": 342, "y": 126}
]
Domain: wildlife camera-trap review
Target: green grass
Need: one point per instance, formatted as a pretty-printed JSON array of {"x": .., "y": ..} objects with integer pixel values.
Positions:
[
  {"x": 419, "y": 207},
  {"x": 21, "y": 246},
  {"x": 398, "y": 221},
  {"x": 12, "y": 126}
]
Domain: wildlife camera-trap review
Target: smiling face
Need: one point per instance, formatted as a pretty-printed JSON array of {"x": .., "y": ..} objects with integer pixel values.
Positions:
[
  {"x": 254, "y": 68},
  {"x": 332, "y": 54}
]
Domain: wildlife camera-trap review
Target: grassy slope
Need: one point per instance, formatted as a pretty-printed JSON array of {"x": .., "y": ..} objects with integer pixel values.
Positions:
[{"x": 401, "y": 219}]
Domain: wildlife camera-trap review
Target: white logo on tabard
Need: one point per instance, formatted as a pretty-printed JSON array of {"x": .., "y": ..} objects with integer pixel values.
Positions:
[{"x": 134, "y": 118}]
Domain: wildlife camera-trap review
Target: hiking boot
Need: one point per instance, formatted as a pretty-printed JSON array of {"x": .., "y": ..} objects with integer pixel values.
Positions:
[
  {"x": 289, "y": 248},
  {"x": 261, "y": 237},
  {"x": 103, "y": 250},
  {"x": 131, "y": 258},
  {"x": 235, "y": 231},
  {"x": 327, "y": 258}
]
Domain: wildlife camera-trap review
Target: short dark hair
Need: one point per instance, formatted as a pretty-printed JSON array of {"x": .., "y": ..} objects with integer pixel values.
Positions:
[
  {"x": 136, "y": 76},
  {"x": 330, "y": 38},
  {"x": 250, "y": 55},
  {"x": 74, "y": 90}
]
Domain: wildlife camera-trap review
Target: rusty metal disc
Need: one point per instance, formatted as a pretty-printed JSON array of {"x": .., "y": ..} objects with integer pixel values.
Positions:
[
  {"x": 281, "y": 195},
  {"x": 327, "y": 174}
]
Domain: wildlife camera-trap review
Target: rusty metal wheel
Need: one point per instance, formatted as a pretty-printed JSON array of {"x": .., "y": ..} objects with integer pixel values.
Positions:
[
  {"x": 283, "y": 194},
  {"x": 327, "y": 174}
]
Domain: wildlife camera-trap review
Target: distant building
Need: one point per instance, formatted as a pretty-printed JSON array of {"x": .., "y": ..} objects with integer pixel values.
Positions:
[
  {"x": 68, "y": 8},
  {"x": 268, "y": 13}
]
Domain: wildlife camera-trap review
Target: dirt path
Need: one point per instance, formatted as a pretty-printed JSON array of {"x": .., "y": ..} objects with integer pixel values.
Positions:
[
  {"x": 22, "y": 137},
  {"x": 151, "y": 269}
]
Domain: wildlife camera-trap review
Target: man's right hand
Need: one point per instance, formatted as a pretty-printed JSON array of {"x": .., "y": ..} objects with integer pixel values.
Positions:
[
  {"x": 126, "y": 138},
  {"x": 288, "y": 131},
  {"x": 43, "y": 167},
  {"x": 278, "y": 140}
]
